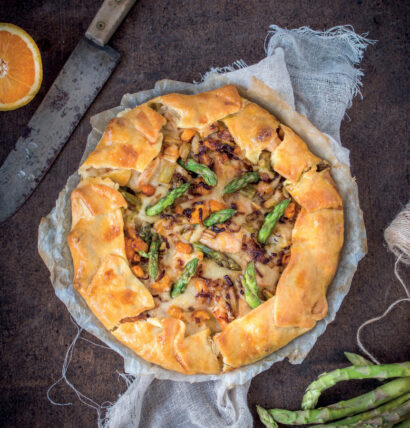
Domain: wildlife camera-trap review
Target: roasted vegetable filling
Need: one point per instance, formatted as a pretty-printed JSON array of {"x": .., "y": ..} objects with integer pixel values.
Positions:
[{"x": 207, "y": 231}]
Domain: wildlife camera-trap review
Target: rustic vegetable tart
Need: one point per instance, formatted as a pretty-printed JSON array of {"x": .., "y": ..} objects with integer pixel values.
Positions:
[{"x": 204, "y": 232}]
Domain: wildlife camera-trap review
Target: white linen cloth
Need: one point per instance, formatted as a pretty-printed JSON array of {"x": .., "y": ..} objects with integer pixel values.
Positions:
[{"x": 315, "y": 73}]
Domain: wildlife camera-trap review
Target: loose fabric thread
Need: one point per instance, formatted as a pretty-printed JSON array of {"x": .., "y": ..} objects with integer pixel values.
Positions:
[
  {"x": 99, "y": 408},
  {"x": 397, "y": 236}
]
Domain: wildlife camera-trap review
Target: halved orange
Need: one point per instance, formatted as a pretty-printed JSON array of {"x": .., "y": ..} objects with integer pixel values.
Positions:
[{"x": 21, "y": 71}]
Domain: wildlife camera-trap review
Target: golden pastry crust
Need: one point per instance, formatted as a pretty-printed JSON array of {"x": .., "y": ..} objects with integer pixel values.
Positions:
[
  {"x": 91, "y": 240},
  {"x": 139, "y": 149},
  {"x": 147, "y": 121},
  {"x": 292, "y": 157},
  {"x": 115, "y": 293},
  {"x": 122, "y": 147},
  {"x": 254, "y": 336},
  {"x": 301, "y": 292},
  {"x": 254, "y": 129},
  {"x": 315, "y": 191},
  {"x": 197, "y": 111},
  {"x": 94, "y": 196},
  {"x": 163, "y": 342}
]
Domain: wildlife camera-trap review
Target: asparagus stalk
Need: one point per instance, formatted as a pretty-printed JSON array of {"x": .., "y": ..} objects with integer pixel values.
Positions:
[
  {"x": 206, "y": 173},
  {"x": 241, "y": 182},
  {"x": 182, "y": 282},
  {"x": 271, "y": 219},
  {"x": 143, "y": 254},
  {"x": 153, "y": 257},
  {"x": 145, "y": 234},
  {"x": 250, "y": 286},
  {"x": 219, "y": 258},
  {"x": 167, "y": 200},
  {"x": 131, "y": 199},
  {"x": 357, "y": 360},
  {"x": 391, "y": 412},
  {"x": 364, "y": 402},
  {"x": 266, "y": 418},
  {"x": 219, "y": 217},
  {"x": 327, "y": 380}
]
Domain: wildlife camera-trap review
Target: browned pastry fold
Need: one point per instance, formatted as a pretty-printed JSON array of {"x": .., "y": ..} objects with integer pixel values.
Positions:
[
  {"x": 122, "y": 146},
  {"x": 292, "y": 157},
  {"x": 197, "y": 111},
  {"x": 94, "y": 196},
  {"x": 254, "y": 129},
  {"x": 163, "y": 342},
  {"x": 317, "y": 239},
  {"x": 147, "y": 121},
  {"x": 115, "y": 293},
  {"x": 315, "y": 191},
  {"x": 254, "y": 336},
  {"x": 101, "y": 272}
]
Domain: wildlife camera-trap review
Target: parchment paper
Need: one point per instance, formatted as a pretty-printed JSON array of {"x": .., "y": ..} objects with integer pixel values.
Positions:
[{"x": 55, "y": 227}]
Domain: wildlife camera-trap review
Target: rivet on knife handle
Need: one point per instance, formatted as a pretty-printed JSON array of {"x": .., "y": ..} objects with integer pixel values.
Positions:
[{"x": 107, "y": 20}]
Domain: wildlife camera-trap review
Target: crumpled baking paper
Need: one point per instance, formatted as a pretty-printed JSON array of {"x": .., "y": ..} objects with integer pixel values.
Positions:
[{"x": 267, "y": 83}]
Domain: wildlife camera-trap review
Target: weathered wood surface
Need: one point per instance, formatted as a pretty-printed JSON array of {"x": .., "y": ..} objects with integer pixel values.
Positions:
[{"x": 179, "y": 40}]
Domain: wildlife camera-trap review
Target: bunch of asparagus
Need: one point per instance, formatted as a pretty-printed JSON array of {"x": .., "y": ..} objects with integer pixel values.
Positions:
[{"x": 386, "y": 406}]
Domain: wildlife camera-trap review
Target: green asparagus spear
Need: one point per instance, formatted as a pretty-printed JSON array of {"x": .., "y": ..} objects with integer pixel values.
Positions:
[
  {"x": 404, "y": 424},
  {"x": 264, "y": 162},
  {"x": 241, "y": 182},
  {"x": 250, "y": 286},
  {"x": 131, "y": 199},
  {"x": 219, "y": 217},
  {"x": 206, "y": 173},
  {"x": 219, "y": 258},
  {"x": 390, "y": 412},
  {"x": 271, "y": 219},
  {"x": 357, "y": 360},
  {"x": 143, "y": 254},
  {"x": 364, "y": 402},
  {"x": 327, "y": 380},
  {"x": 248, "y": 192},
  {"x": 153, "y": 257},
  {"x": 182, "y": 282},
  {"x": 266, "y": 418},
  {"x": 145, "y": 234},
  {"x": 167, "y": 200}
]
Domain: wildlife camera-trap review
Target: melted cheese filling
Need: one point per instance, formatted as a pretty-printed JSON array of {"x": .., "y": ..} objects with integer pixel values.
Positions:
[{"x": 214, "y": 296}]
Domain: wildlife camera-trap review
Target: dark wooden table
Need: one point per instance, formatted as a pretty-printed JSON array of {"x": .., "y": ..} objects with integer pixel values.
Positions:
[{"x": 180, "y": 40}]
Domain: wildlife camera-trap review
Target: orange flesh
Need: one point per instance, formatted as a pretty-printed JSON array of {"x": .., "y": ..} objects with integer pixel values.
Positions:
[{"x": 17, "y": 68}]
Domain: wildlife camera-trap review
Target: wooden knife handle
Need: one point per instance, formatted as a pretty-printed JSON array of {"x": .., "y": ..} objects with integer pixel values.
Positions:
[{"x": 107, "y": 20}]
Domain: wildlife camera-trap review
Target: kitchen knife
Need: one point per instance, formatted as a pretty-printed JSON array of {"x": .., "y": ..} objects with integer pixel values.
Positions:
[{"x": 82, "y": 77}]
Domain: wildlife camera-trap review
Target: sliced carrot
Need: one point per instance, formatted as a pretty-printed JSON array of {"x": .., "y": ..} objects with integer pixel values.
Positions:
[
  {"x": 129, "y": 252},
  {"x": 199, "y": 213},
  {"x": 183, "y": 248},
  {"x": 137, "y": 271},
  {"x": 290, "y": 211},
  {"x": 187, "y": 135},
  {"x": 139, "y": 245},
  {"x": 175, "y": 312},
  {"x": 148, "y": 189},
  {"x": 178, "y": 210},
  {"x": 164, "y": 284},
  {"x": 201, "y": 315},
  {"x": 200, "y": 285},
  {"x": 216, "y": 205}
]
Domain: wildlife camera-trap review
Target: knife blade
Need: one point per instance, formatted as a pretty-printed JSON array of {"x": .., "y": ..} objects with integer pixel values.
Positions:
[{"x": 80, "y": 80}]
